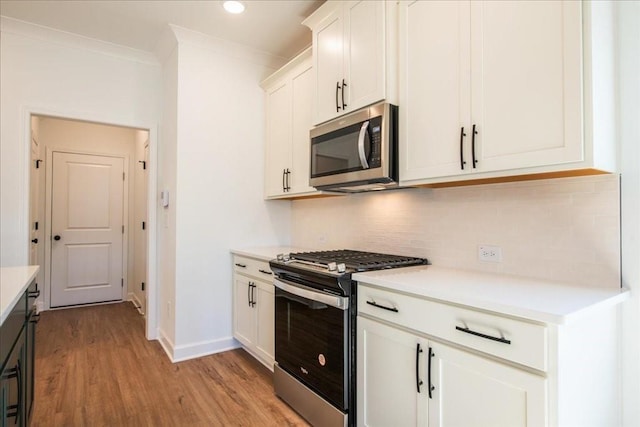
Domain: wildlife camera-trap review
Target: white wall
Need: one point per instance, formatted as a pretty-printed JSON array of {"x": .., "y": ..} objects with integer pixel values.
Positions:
[
  {"x": 48, "y": 72},
  {"x": 564, "y": 229},
  {"x": 166, "y": 228},
  {"x": 628, "y": 48},
  {"x": 218, "y": 195}
]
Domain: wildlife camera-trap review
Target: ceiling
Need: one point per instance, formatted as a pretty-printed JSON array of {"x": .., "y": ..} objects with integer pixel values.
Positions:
[{"x": 272, "y": 26}]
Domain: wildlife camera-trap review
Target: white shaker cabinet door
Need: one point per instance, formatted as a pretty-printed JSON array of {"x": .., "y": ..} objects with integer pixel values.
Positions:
[
  {"x": 328, "y": 65},
  {"x": 390, "y": 364},
  {"x": 434, "y": 88},
  {"x": 472, "y": 391},
  {"x": 526, "y": 82},
  {"x": 244, "y": 322},
  {"x": 302, "y": 100},
  {"x": 265, "y": 337},
  {"x": 364, "y": 53},
  {"x": 278, "y": 148}
]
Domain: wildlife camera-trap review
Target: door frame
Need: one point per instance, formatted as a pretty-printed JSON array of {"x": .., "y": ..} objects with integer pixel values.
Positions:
[
  {"x": 112, "y": 119},
  {"x": 48, "y": 220}
]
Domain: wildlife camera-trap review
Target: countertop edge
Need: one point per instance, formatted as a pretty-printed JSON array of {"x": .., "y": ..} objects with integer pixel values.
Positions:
[
  {"x": 609, "y": 298},
  {"x": 32, "y": 271},
  {"x": 265, "y": 253}
]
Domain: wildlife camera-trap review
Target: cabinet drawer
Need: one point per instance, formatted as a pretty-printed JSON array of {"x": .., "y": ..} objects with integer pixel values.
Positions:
[
  {"x": 252, "y": 267},
  {"x": 518, "y": 341}
]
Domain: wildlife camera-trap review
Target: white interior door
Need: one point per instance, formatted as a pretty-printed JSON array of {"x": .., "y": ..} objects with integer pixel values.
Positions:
[{"x": 87, "y": 229}]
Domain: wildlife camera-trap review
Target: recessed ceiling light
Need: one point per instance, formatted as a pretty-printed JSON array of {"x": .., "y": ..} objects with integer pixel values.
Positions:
[{"x": 233, "y": 6}]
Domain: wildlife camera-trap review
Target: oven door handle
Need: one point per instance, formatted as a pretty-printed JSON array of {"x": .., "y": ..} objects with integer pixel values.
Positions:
[
  {"x": 333, "y": 300},
  {"x": 364, "y": 130}
]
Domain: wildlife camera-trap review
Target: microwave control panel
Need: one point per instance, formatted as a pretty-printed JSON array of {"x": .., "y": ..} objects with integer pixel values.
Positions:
[{"x": 375, "y": 157}]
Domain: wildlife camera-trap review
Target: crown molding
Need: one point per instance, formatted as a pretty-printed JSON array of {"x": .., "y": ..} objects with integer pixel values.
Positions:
[{"x": 51, "y": 35}]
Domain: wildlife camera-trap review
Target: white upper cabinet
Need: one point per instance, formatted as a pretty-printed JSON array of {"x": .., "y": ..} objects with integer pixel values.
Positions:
[
  {"x": 288, "y": 95},
  {"x": 492, "y": 89},
  {"x": 353, "y": 56}
]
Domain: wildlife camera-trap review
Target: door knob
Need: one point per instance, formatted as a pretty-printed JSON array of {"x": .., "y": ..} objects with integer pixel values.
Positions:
[
  {"x": 56, "y": 237},
  {"x": 34, "y": 240}
]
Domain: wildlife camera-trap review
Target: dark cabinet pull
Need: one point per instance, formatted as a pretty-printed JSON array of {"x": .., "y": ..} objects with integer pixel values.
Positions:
[
  {"x": 462, "y": 135},
  {"x": 373, "y": 303},
  {"x": 16, "y": 410},
  {"x": 419, "y": 382},
  {"x": 34, "y": 240},
  {"x": 337, "y": 90},
  {"x": 241, "y": 265},
  {"x": 35, "y": 318},
  {"x": 249, "y": 294},
  {"x": 430, "y": 385},
  {"x": 56, "y": 237},
  {"x": 253, "y": 295},
  {"x": 265, "y": 272},
  {"x": 481, "y": 335},
  {"x": 33, "y": 294},
  {"x": 344, "y": 84},
  {"x": 474, "y": 132}
]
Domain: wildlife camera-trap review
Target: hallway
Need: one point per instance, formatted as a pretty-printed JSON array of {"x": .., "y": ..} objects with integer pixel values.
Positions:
[{"x": 95, "y": 367}]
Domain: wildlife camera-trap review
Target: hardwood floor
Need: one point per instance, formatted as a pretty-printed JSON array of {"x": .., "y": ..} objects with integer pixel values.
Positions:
[{"x": 94, "y": 367}]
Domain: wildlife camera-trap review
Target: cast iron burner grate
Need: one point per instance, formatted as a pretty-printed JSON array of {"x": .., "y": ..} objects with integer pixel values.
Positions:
[{"x": 358, "y": 260}]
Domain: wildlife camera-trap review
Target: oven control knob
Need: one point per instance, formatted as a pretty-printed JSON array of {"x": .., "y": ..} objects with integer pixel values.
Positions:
[
  {"x": 332, "y": 266},
  {"x": 342, "y": 268}
]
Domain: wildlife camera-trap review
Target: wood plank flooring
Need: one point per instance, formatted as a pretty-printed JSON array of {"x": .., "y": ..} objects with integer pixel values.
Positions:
[{"x": 94, "y": 367}]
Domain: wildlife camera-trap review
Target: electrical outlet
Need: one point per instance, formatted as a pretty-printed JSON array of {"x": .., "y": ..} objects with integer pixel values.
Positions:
[{"x": 489, "y": 253}]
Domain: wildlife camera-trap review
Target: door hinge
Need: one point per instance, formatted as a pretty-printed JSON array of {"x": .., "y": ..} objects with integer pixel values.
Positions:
[
  {"x": 143, "y": 225},
  {"x": 123, "y": 229},
  {"x": 142, "y": 286},
  {"x": 35, "y": 225},
  {"x": 122, "y": 283},
  {"x": 123, "y": 176}
]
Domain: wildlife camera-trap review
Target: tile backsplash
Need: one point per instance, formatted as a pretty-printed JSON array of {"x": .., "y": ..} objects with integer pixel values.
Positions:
[{"x": 564, "y": 229}]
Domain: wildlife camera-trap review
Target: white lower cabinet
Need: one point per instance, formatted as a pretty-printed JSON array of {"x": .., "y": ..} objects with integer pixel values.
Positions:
[
  {"x": 406, "y": 380},
  {"x": 426, "y": 362},
  {"x": 253, "y": 308}
]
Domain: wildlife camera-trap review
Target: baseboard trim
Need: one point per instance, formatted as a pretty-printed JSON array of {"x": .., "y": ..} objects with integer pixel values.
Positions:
[
  {"x": 192, "y": 351},
  {"x": 136, "y": 302}
]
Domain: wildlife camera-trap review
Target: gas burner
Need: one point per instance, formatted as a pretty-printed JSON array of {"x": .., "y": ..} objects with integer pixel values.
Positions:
[{"x": 349, "y": 260}]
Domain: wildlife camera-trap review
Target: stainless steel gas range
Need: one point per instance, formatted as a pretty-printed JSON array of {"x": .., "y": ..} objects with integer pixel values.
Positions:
[{"x": 315, "y": 330}]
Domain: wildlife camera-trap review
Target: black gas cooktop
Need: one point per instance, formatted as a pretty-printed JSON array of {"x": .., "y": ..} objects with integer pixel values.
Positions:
[{"x": 357, "y": 260}]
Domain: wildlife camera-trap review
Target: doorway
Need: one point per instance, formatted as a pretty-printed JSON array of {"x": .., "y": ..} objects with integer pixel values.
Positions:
[{"x": 87, "y": 188}]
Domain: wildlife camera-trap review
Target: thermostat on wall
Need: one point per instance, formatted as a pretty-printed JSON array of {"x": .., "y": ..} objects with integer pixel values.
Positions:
[{"x": 164, "y": 198}]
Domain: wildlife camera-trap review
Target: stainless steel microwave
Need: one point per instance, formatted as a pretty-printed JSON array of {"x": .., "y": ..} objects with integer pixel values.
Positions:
[{"x": 357, "y": 152}]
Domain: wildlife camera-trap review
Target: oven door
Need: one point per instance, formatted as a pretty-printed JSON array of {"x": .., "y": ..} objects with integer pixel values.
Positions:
[{"x": 312, "y": 339}]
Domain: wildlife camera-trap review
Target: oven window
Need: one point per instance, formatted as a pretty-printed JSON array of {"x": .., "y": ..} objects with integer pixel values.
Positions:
[
  {"x": 310, "y": 345},
  {"x": 337, "y": 152}
]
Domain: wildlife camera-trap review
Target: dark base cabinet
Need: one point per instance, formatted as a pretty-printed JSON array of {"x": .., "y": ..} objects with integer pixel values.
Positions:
[{"x": 17, "y": 358}]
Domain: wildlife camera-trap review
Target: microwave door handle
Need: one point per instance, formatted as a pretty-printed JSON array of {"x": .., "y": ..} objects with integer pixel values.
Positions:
[{"x": 363, "y": 156}]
